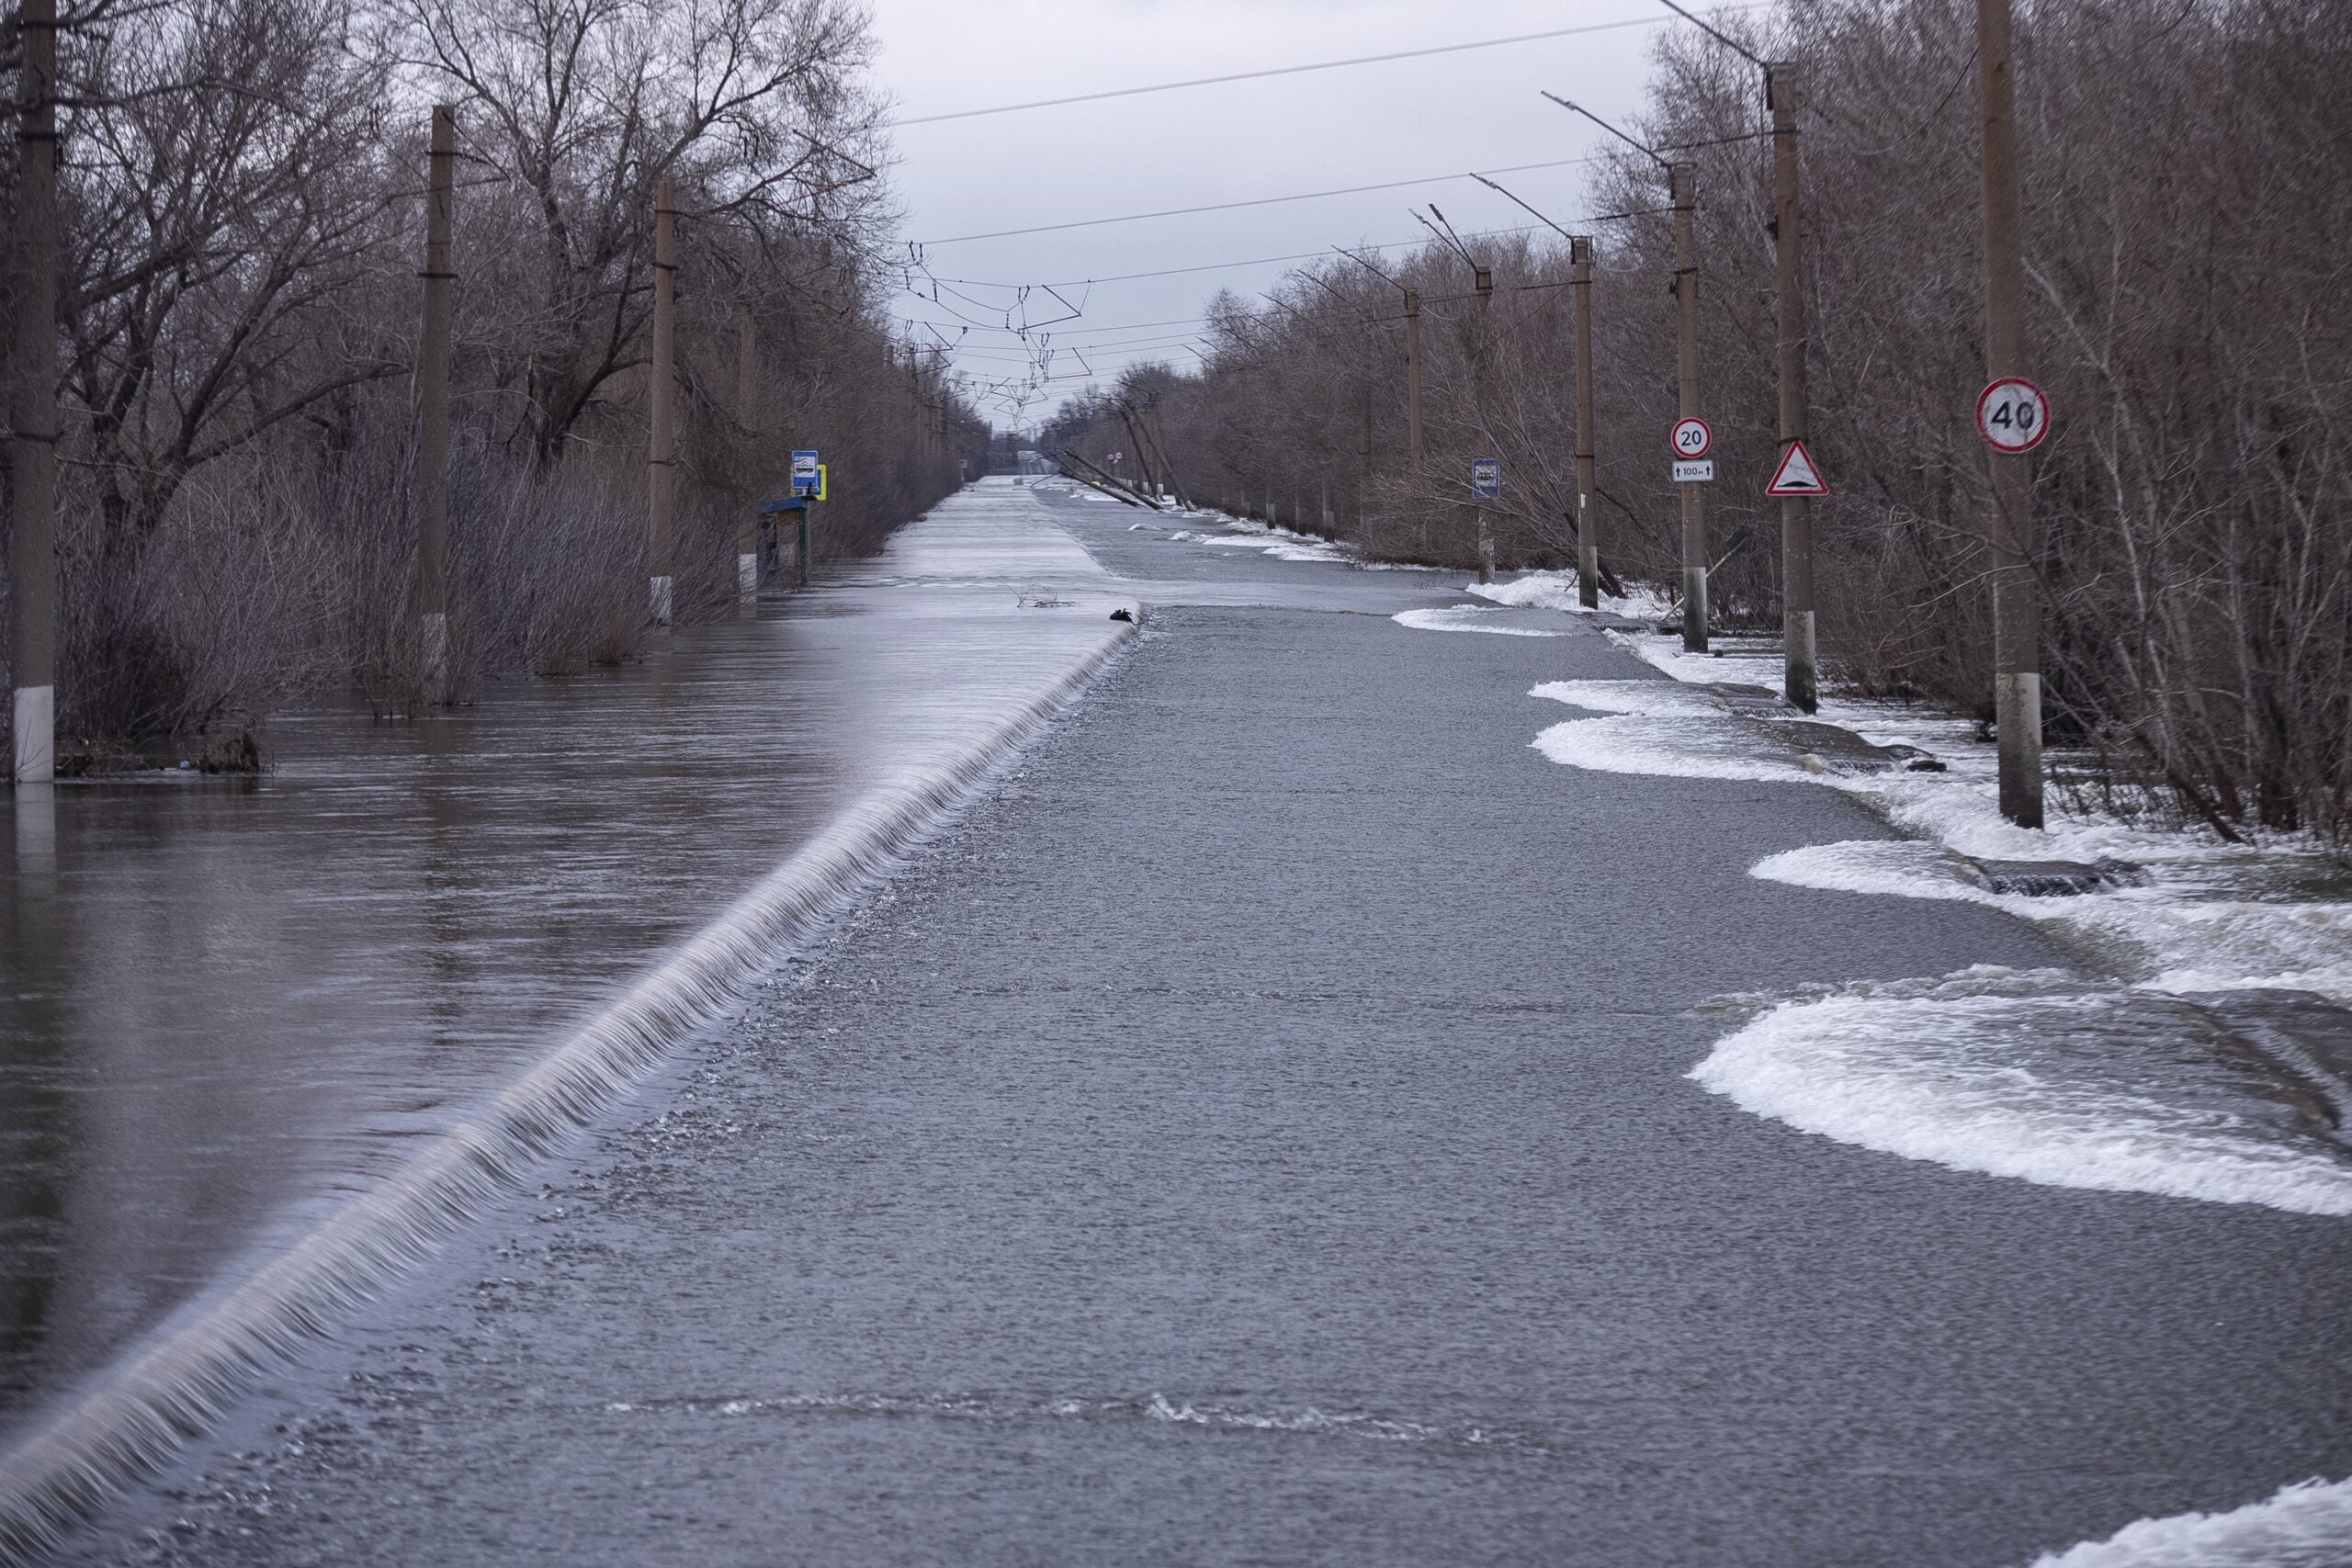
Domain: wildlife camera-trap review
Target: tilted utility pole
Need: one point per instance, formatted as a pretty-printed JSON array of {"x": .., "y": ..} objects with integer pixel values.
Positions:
[
  {"x": 32, "y": 413},
  {"x": 1588, "y": 480},
  {"x": 1801, "y": 682},
  {"x": 2017, "y": 610},
  {"x": 1413, "y": 379},
  {"x": 433, "y": 407},
  {"x": 1682, "y": 180},
  {"x": 662, "y": 459}
]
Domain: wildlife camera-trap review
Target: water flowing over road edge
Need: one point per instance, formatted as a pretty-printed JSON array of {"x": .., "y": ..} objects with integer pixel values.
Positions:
[{"x": 176, "y": 1382}]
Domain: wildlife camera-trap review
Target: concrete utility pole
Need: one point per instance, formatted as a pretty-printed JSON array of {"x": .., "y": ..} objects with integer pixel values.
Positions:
[
  {"x": 747, "y": 402},
  {"x": 1801, "y": 682},
  {"x": 1682, "y": 180},
  {"x": 663, "y": 460},
  {"x": 32, "y": 413},
  {"x": 433, "y": 407},
  {"x": 1483, "y": 285},
  {"x": 2016, "y": 609},
  {"x": 1588, "y": 479}
]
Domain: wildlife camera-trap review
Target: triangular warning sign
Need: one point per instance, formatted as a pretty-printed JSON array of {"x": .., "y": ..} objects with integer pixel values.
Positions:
[{"x": 1796, "y": 474}]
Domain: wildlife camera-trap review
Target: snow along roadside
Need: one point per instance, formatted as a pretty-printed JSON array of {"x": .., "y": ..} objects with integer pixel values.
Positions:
[{"x": 2208, "y": 917}]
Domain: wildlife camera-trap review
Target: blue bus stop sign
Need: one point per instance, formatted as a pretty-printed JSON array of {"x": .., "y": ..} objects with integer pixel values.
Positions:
[
  {"x": 804, "y": 472},
  {"x": 1487, "y": 477}
]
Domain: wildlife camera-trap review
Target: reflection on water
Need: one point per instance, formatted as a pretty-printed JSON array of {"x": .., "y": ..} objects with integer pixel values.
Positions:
[{"x": 234, "y": 1004}]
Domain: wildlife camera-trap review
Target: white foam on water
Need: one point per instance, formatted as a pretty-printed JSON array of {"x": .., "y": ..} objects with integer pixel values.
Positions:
[
  {"x": 2305, "y": 1524},
  {"x": 2178, "y": 934},
  {"x": 1902, "y": 868},
  {"x": 1657, "y": 699},
  {"x": 1657, "y": 728},
  {"x": 1156, "y": 1408},
  {"x": 2035, "y": 1074},
  {"x": 1659, "y": 749},
  {"x": 1464, "y": 618}
]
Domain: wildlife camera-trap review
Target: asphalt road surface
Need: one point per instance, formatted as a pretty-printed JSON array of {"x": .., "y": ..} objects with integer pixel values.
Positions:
[{"x": 1259, "y": 1134}]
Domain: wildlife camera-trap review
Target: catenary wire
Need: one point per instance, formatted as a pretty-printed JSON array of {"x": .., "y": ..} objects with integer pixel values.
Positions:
[{"x": 1254, "y": 201}]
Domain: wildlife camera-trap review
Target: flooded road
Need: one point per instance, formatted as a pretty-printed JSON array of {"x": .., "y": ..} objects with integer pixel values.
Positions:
[
  {"x": 1299, "y": 1115},
  {"x": 235, "y": 1004}
]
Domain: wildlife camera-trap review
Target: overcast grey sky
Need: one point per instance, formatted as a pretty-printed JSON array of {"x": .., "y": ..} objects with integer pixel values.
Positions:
[{"x": 1403, "y": 119}]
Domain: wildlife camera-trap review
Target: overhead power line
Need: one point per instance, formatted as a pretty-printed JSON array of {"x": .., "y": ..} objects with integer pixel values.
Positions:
[
  {"x": 1299, "y": 69},
  {"x": 1224, "y": 266},
  {"x": 1255, "y": 201},
  {"x": 999, "y": 351},
  {"x": 1059, "y": 333}
]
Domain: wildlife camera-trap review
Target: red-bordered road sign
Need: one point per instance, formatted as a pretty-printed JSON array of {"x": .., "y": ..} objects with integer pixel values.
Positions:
[
  {"x": 2012, "y": 416},
  {"x": 1691, "y": 438},
  {"x": 1797, "y": 474}
]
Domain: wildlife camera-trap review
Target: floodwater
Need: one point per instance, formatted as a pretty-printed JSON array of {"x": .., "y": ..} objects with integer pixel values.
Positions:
[{"x": 236, "y": 1005}]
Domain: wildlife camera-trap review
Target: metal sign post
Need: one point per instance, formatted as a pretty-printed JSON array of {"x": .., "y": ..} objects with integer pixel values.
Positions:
[{"x": 1486, "y": 484}]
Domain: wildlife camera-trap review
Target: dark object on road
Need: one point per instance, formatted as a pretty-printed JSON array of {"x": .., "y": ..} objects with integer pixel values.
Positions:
[
  {"x": 1743, "y": 697},
  {"x": 1122, "y": 614}
]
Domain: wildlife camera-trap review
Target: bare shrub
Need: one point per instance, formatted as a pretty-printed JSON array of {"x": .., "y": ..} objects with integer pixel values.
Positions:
[{"x": 2184, "y": 204}]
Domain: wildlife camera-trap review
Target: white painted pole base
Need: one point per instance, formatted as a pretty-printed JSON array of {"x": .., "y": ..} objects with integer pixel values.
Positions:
[
  {"x": 1694, "y": 609},
  {"x": 747, "y": 578},
  {"x": 1485, "y": 549},
  {"x": 436, "y": 657},
  {"x": 661, "y": 601},
  {"x": 1802, "y": 682},
  {"x": 35, "y": 718}
]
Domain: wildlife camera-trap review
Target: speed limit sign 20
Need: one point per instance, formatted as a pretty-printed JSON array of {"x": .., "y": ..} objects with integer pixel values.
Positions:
[
  {"x": 2012, "y": 416},
  {"x": 1692, "y": 438}
]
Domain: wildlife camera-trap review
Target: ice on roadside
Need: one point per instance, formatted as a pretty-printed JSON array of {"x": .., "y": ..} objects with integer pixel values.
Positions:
[
  {"x": 1661, "y": 728},
  {"x": 1557, "y": 591},
  {"x": 1467, "y": 618},
  {"x": 2305, "y": 1525},
  {"x": 1283, "y": 544},
  {"x": 2106, "y": 1083},
  {"x": 2209, "y": 916},
  {"x": 2038, "y": 1075}
]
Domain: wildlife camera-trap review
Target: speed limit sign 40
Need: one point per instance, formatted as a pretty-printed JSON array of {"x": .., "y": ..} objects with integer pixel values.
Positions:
[
  {"x": 2012, "y": 416},
  {"x": 1692, "y": 438}
]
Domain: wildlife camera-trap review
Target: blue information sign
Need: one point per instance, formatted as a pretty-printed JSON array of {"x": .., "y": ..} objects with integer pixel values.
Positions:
[
  {"x": 804, "y": 479},
  {"x": 1487, "y": 477}
]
